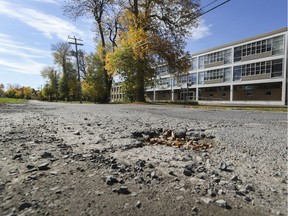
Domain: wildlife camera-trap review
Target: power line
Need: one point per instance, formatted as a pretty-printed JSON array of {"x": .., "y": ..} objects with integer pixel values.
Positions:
[
  {"x": 207, "y": 5},
  {"x": 214, "y": 8}
]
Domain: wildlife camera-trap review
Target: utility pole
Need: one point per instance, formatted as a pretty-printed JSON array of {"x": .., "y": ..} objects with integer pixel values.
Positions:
[{"x": 77, "y": 59}]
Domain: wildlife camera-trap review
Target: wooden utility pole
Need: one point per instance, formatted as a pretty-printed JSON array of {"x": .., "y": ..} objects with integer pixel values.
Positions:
[{"x": 77, "y": 59}]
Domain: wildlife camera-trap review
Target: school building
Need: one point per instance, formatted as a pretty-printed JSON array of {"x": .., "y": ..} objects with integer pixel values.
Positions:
[{"x": 252, "y": 71}]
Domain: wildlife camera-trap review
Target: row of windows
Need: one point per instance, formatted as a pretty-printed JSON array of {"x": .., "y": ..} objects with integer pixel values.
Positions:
[
  {"x": 274, "y": 67},
  {"x": 276, "y": 45},
  {"x": 223, "y": 73},
  {"x": 221, "y": 56},
  {"x": 161, "y": 69}
]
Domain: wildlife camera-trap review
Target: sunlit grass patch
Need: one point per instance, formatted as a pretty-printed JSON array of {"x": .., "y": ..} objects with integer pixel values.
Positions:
[{"x": 11, "y": 100}]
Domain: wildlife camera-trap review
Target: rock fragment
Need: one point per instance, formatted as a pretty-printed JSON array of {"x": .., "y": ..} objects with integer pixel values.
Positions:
[
  {"x": 138, "y": 204},
  {"x": 110, "y": 180},
  {"x": 24, "y": 205},
  {"x": 44, "y": 166},
  {"x": 221, "y": 203}
]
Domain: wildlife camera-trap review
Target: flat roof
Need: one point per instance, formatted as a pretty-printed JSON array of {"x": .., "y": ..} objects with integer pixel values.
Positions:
[{"x": 242, "y": 41}]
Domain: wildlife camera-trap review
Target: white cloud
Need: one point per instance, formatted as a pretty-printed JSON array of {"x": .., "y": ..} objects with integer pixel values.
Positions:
[
  {"x": 24, "y": 57},
  {"x": 203, "y": 30},
  {"x": 48, "y": 1},
  {"x": 29, "y": 66},
  {"x": 49, "y": 25}
]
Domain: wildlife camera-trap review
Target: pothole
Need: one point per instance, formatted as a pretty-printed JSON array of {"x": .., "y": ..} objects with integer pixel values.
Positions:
[{"x": 185, "y": 139}]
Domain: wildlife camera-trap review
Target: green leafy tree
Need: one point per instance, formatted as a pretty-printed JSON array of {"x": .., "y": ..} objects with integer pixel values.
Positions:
[
  {"x": 61, "y": 52},
  {"x": 2, "y": 92},
  {"x": 50, "y": 90},
  {"x": 152, "y": 31},
  {"x": 101, "y": 11},
  {"x": 94, "y": 86}
]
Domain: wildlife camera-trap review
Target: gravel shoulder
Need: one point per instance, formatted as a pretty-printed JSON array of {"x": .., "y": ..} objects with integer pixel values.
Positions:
[{"x": 71, "y": 159}]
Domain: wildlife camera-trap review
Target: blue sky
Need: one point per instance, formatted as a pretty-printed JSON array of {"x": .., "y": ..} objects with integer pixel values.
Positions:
[{"x": 30, "y": 27}]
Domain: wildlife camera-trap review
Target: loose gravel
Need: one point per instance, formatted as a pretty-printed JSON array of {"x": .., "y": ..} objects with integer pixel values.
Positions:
[{"x": 71, "y": 159}]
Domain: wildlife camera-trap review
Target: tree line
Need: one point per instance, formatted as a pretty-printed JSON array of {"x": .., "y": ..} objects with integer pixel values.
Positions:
[
  {"x": 132, "y": 36},
  {"x": 17, "y": 91}
]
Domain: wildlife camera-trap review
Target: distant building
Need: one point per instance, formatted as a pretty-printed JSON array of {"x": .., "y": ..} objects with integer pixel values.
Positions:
[
  {"x": 249, "y": 71},
  {"x": 116, "y": 93}
]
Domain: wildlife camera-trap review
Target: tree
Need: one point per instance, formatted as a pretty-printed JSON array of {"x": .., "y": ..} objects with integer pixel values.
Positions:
[
  {"x": 51, "y": 88},
  {"x": 152, "y": 31},
  {"x": 94, "y": 86},
  {"x": 2, "y": 90},
  {"x": 61, "y": 52},
  {"x": 99, "y": 10}
]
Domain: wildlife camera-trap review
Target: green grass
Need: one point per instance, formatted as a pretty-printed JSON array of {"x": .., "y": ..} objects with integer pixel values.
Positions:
[{"x": 11, "y": 100}]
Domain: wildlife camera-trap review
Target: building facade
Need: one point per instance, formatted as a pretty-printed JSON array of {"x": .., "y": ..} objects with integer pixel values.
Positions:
[{"x": 250, "y": 71}]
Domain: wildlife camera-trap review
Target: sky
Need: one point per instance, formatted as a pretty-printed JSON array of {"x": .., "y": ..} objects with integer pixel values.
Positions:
[{"x": 30, "y": 27}]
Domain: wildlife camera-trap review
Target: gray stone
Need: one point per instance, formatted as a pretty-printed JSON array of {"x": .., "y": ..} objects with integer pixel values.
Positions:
[
  {"x": 30, "y": 166},
  {"x": 141, "y": 163},
  {"x": 180, "y": 133},
  {"x": 2, "y": 186},
  {"x": 211, "y": 192},
  {"x": 234, "y": 178},
  {"x": 178, "y": 198},
  {"x": 46, "y": 155},
  {"x": 44, "y": 166},
  {"x": 206, "y": 200},
  {"x": 114, "y": 166},
  {"x": 123, "y": 190},
  {"x": 187, "y": 172},
  {"x": 248, "y": 199},
  {"x": 221, "y": 203},
  {"x": 110, "y": 180},
  {"x": 76, "y": 133},
  {"x": 201, "y": 169},
  {"x": 223, "y": 166},
  {"x": 138, "y": 204},
  {"x": 154, "y": 175},
  {"x": 17, "y": 156},
  {"x": 24, "y": 205},
  {"x": 195, "y": 209},
  {"x": 249, "y": 188}
]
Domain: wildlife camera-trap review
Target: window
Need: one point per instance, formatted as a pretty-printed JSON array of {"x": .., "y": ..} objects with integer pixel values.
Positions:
[
  {"x": 278, "y": 45},
  {"x": 248, "y": 49},
  {"x": 268, "y": 67},
  {"x": 237, "y": 53},
  {"x": 263, "y": 67},
  {"x": 227, "y": 74},
  {"x": 224, "y": 94},
  {"x": 194, "y": 63},
  {"x": 277, "y": 67},
  {"x": 253, "y": 69},
  {"x": 268, "y": 93},
  {"x": 211, "y": 95},
  {"x": 237, "y": 73},
  {"x": 264, "y": 46},
  {"x": 253, "y": 48},
  {"x": 227, "y": 56},
  {"x": 201, "y": 62},
  {"x": 258, "y": 47},
  {"x": 258, "y": 68},
  {"x": 201, "y": 78}
]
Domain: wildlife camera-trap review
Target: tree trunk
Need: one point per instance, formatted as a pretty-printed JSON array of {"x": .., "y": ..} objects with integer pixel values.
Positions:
[{"x": 141, "y": 86}]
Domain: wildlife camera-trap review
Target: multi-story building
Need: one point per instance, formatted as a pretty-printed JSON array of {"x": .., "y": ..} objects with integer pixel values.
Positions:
[
  {"x": 116, "y": 93},
  {"x": 250, "y": 71}
]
